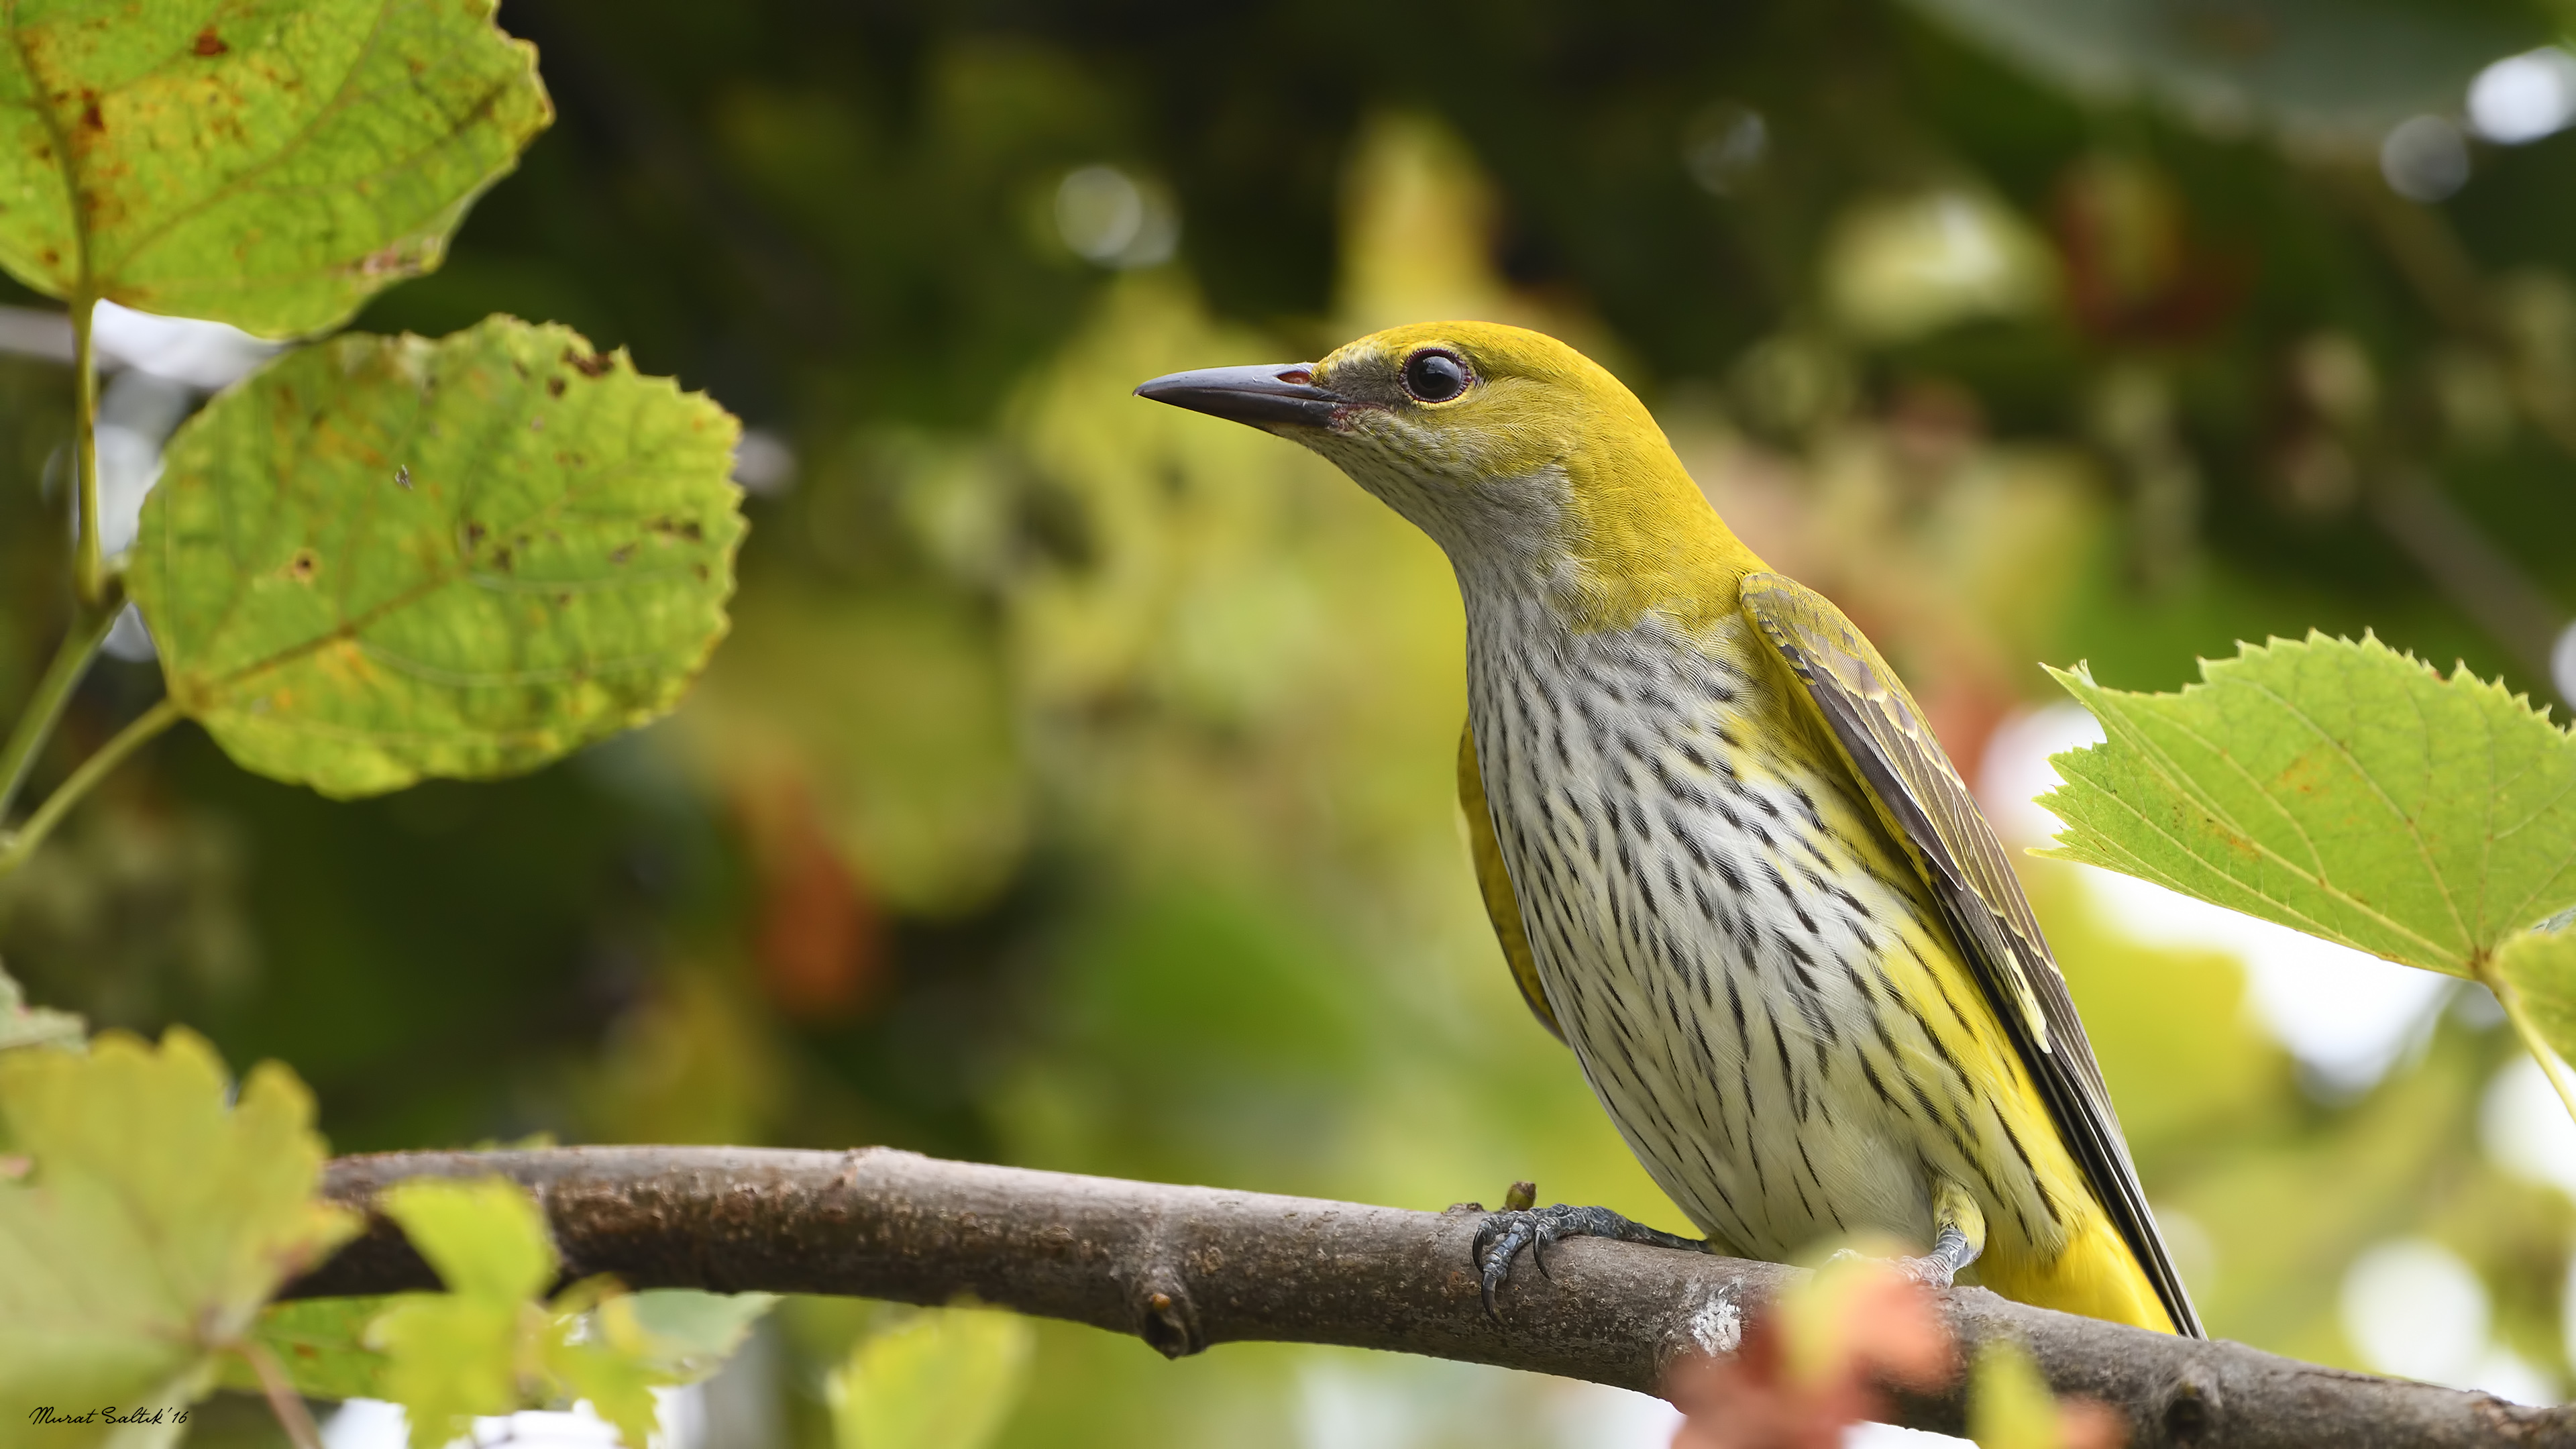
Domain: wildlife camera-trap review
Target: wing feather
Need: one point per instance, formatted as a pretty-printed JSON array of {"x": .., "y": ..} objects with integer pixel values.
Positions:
[
  {"x": 1889, "y": 745},
  {"x": 1502, "y": 904}
]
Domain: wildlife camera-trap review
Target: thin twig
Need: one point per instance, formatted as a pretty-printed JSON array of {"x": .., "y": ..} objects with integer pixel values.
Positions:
[
  {"x": 45, "y": 707},
  {"x": 1185, "y": 1268},
  {"x": 89, "y": 566},
  {"x": 2524, "y": 1027},
  {"x": 283, "y": 1400},
  {"x": 16, "y": 848}
]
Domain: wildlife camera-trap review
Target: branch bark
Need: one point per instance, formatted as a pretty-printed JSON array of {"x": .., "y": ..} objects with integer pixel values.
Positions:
[{"x": 1185, "y": 1268}]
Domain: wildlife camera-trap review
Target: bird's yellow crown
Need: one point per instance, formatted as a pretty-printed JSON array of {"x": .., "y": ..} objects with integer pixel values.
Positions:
[{"x": 1540, "y": 451}]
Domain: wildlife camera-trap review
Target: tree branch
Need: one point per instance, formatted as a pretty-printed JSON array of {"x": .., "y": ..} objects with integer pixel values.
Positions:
[{"x": 1188, "y": 1267}]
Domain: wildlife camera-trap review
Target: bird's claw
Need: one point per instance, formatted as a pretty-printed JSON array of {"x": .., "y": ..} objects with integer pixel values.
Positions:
[
  {"x": 1501, "y": 1236},
  {"x": 1499, "y": 1239}
]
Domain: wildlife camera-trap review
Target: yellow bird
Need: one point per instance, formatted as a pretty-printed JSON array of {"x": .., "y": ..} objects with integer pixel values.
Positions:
[{"x": 1728, "y": 862}]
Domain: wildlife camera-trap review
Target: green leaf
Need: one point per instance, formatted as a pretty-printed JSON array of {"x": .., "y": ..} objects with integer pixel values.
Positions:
[
  {"x": 689, "y": 1334},
  {"x": 155, "y": 1217},
  {"x": 484, "y": 1237},
  {"x": 2009, "y": 1404},
  {"x": 22, "y": 1025},
  {"x": 2341, "y": 789},
  {"x": 268, "y": 163},
  {"x": 452, "y": 1357},
  {"x": 487, "y": 1347},
  {"x": 2540, "y": 969},
  {"x": 2344, "y": 70},
  {"x": 321, "y": 1343},
  {"x": 664, "y": 1336},
  {"x": 384, "y": 558},
  {"x": 611, "y": 1365},
  {"x": 946, "y": 1379}
]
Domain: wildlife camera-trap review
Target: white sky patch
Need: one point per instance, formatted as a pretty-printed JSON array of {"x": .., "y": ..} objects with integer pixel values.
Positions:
[
  {"x": 207, "y": 356},
  {"x": 2509, "y": 1376},
  {"x": 2415, "y": 1309},
  {"x": 2347, "y": 1016},
  {"x": 1596, "y": 1416},
  {"x": 158, "y": 369},
  {"x": 375, "y": 1424},
  {"x": 2526, "y": 1129}
]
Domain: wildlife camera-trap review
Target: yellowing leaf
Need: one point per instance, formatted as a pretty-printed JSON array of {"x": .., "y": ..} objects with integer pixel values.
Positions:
[
  {"x": 153, "y": 1222},
  {"x": 453, "y": 1356},
  {"x": 485, "y": 1238},
  {"x": 385, "y": 557},
  {"x": 23, "y": 1025},
  {"x": 947, "y": 1379},
  {"x": 2009, "y": 1404},
  {"x": 2339, "y": 788},
  {"x": 630, "y": 1344},
  {"x": 1855, "y": 1314},
  {"x": 268, "y": 163},
  {"x": 612, "y": 1367},
  {"x": 488, "y": 1347}
]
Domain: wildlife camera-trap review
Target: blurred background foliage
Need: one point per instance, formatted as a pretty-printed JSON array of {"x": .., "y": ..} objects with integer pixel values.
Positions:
[{"x": 1074, "y": 789}]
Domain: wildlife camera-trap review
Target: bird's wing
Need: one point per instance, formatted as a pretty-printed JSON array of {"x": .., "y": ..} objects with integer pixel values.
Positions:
[
  {"x": 1918, "y": 793},
  {"x": 1496, "y": 882}
]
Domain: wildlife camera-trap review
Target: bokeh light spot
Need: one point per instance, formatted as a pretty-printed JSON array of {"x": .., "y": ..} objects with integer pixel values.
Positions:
[
  {"x": 1108, "y": 218},
  {"x": 2424, "y": 158},
  {"x": 2413, "y": 1308},
  {"x": 2522, "y": 98}
]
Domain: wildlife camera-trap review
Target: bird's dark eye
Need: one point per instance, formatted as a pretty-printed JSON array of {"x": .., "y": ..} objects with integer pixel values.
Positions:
[{"x": 1434, "y": 376}]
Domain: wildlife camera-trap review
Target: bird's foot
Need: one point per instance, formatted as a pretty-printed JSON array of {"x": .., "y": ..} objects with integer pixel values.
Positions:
[
  {"x": 1502, "y": 1236},
  {"x": 1932, "y": 1270},
  {"x": 1952, "y": 1249}
]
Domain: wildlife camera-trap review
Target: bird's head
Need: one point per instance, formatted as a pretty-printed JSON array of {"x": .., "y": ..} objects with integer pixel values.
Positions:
[{"x": 1525, "y": 460}]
